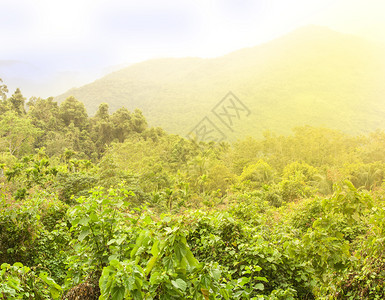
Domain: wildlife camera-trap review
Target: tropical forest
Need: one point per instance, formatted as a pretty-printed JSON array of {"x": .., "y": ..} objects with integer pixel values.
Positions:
[{"x": 108, "y": 206}]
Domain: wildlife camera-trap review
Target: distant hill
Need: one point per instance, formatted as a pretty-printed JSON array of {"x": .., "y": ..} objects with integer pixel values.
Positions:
[{"x": 312, "y": 76}]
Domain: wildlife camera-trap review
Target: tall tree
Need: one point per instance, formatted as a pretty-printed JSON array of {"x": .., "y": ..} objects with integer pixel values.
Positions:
[
  {"x": 102, "y": 112},
  {"x": 18, "y": 101},
  {"x": 3, "y": 91},
  {"x": 44, "y": 114},
  {"x": 121, "y": 120},
  {"x": 73, "y": 111},
  {"x": 139, "y": 123},
  {"x": 17, "y": 134},
  {"x": 102, "y": 128}
]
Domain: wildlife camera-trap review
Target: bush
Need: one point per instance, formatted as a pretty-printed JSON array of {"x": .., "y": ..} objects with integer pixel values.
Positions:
[
  {"x": 35, "y": 232},
  {"x": 20, "y": 282},
  {"x": 74, "y": 185}
]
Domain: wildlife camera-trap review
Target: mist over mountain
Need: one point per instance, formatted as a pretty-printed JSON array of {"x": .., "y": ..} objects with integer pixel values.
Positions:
[
  {"x": 312, "y": 76},
  {"x": 36, "y": 81}
]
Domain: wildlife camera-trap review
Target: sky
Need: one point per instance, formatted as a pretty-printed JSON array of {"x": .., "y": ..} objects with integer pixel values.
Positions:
[{"x": 48, "y": 46}]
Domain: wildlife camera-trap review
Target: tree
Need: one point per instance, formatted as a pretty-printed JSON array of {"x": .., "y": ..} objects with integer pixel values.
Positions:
[
  {"x": 5, "y": 106},
  {"x": 258, "y": 174},
  {"x": 121, "y": 120},
  {"x": 3, "y": 91},
  {"x": 16, "y": 133},
  {"x": 73, "y": 111},
  {"x": 102, "y": 112},
  {"x": 18, "y": 101},
  {"x": 103, "y": 131},
  {"x": 44, "y": 113},
  {"x": 139, "y": 123},
  {"x": 102, "y": 128}
]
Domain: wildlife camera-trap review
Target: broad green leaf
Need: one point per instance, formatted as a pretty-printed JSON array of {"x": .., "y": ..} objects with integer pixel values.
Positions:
[
  {"x": 242, "y": 281},
  {"x": 261, "y": 278},
  {"x": 154, "y": 277},
  {"x": 193, "y": 262},
  {"x": 150, "y": 264},
  {"x": 180, "y": 250},
  {"x": 94, "y": 217},
  {"x": 120, "y": 240},
  {"x": 113, "y": 257},
  {"x": 155, "y": 249},
  {"x": 216, "y": 274},
  {"x": 179, "y": 284},
  {"x": 114, "y": 263},
  {"x": 5, "y": 265},
  {"x": 138, "y": 243},
  {"x": 55, "y": 291},
  {"x": 136, "y": 295},
  {"x": 103, "y": 281},
  {"x": 83, "y": 234},
  {"x": 117, "y": 293},
  {"x": 224, "y": 293},
  {"x": 18, "y": 264},
  {"x": 257, "y": 268},
  {"x": 147, "y": 220},
  {"x": 84, "y": 221},
  {"x": 111, "y": 242}
]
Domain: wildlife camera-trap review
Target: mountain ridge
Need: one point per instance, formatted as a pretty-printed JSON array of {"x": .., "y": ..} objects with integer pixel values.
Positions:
[{"x": 312, "y": 76}]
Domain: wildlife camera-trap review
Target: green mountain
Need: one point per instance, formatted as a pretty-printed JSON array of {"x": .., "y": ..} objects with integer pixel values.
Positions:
[{"x": 311, "y": 76}]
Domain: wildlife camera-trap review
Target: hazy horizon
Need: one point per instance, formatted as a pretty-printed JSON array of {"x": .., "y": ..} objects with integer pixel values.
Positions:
[{"x": 53, "y": 46}]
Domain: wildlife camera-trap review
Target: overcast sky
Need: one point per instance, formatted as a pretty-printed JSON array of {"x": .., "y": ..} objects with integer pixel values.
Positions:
[{"x": 90, "y": 35}]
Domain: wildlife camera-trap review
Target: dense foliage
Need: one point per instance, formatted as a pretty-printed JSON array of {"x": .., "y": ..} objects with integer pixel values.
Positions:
[{"x": 105, "y": 207}]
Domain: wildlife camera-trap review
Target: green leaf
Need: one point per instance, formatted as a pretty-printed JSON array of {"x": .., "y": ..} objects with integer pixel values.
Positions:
[
  {"x": 55, "y": 291},
  {"x": 104, "y": 280},
  {"x": 179, "y": 284},
  {"x": 18, "y": 264},
  {"x": 168, "y": 262},
  {"x": 114, "y": 263},
  {"x": 216, "y": 274},
  {"x": 155, "y": 248},
  {"x": 84, "y": 221},
  {"x": 147, "y": 220},
  {"x": 136, "y": 294},
  {"x": 117, "y": 293},
  {"x": 5, "y": 266},
  {"x": 154, "y": 278},
  {"x": 113, "y": 257},
  {"x": 193, "y": 262},
  {"x": 54, "y": 288},
  {"x": 120, "y": 240},
  {"x": 261, "y": 278},
  {"x": 94, "y": 217},
  {"x": 225, "y": 294},
  {"x": 242, "y": 281},
  {"x": 139, "y": 242},
  {"x": 257, "y": 268},
  {"x": 83, "y": 234},
  {"x": 111, "y": 242},
  {"x": 150, "y": 264}
]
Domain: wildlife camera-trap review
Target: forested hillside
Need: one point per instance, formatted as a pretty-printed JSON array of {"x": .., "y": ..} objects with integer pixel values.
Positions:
[
  {"x": 312, "y": 76},
  {"x": 107, "y": 207}
]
